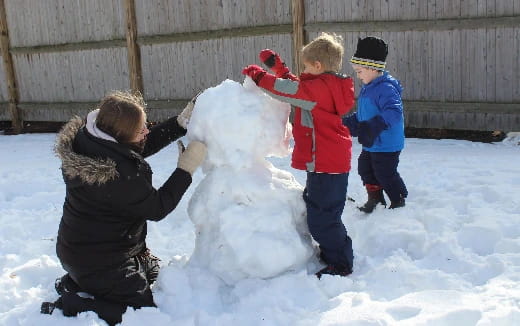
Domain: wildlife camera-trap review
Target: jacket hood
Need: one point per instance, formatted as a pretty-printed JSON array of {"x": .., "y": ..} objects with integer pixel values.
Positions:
[
  {"x": 343, "y": 95},
  {"x": 89, "y": 170},
  {"x": 341, "y": 86},
  {"x": 387, "y": 78}
]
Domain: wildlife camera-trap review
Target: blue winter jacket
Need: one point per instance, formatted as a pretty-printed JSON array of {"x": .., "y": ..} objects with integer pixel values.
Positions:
[{"x": 382, "y": 96}]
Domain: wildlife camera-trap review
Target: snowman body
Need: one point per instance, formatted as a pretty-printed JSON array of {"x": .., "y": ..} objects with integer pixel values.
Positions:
[{"x": 249, "y": 216}]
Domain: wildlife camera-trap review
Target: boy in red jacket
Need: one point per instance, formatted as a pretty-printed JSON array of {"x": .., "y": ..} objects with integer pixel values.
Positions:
[{"x": 322, "y": 145}]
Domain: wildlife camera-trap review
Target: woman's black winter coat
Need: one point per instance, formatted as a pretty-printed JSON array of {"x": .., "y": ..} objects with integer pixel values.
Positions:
[{"x": 109, "y": 195}]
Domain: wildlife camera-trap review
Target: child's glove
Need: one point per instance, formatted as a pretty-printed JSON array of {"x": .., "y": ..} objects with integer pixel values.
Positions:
[
  {"x": 352, "y": 123},
  {"x": 255, "y": 72},
  {"x": 272, "y": 60},
  {"x": 371, "y": 129},
  {"x": 185, "y": 116},
  {"x": 191, "y": 157}
]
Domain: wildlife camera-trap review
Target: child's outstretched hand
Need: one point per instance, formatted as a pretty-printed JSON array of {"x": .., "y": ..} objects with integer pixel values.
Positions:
[
  {"x": 255, "y": 72},
  {"x": 269, "y": 57},
  {"x": 273, "y": 61}
]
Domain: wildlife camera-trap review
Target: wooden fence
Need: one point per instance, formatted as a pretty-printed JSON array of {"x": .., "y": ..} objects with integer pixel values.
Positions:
[{"x": 458, "y": 60}]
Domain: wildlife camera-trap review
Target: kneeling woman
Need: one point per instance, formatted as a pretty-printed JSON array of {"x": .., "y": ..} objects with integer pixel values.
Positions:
[{"x": 109, "y": 197}]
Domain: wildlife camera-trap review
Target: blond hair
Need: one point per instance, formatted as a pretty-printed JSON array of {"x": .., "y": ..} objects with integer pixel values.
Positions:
[
  {"x": 120, "y": 115},
  {"x": 327, "y": 49}
]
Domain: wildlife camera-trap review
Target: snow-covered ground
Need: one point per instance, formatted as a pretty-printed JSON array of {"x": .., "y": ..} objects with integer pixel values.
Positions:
[{"x": 450, "y": 257}]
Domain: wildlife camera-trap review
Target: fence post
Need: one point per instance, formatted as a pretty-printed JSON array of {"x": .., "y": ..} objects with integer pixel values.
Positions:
[
  {"x": 298, "y": 35},
  {"x": 10, "y": 76},
  {"x": 134, "y": 53}
]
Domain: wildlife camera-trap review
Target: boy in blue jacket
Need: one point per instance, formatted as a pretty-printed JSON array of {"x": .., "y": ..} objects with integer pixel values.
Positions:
[{"x": 379, "y": 125}]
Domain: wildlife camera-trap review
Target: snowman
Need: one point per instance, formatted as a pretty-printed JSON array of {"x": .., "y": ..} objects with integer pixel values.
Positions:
[{"x": 249, "y": 216}]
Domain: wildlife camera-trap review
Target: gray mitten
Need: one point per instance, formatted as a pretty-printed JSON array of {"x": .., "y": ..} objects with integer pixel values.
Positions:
[
  {"x": 184, "y": 118},
  {"x": 191, "y": 157}
]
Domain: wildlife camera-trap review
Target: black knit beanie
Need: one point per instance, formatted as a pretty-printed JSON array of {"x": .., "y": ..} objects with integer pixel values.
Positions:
[{"x": 371, "y": 52}]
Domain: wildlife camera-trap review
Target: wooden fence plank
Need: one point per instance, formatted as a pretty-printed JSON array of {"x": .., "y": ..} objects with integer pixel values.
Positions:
[
  {"x": 298, "y": 37},
  {"x": 368, "y": 10},
  {"x": 504, "y": 65},
  {"x": 311, "y": 12},
  {"x": 440, "y": 90},
  {"x": 400, "y": 54},
  {"x": 4, "y": 112},
  {"x": 414, "y": 83},
  {"x": 134, "y": 53},
  {"x": 457, "y": 62},
  {"x": 430, "y": 63},
  {"x": 451, "y": 8},
  {"x": 504, "y": 7},
  {"x": 516, "y": 66},
  {"x": 431, "y": 9},
  {"x": 423, "y": 10},
  {"x": 491, "y": 64},
  {"x": 479, "y": 65},
  {"x": 384, "y": 10},
  {"x": 491, "y": 8},
  {"x": 466, "y": 69},
  {"x": 472, "y": 8},
  {"x": 481, "y": 8},
  {"x": 394, "y": 8},
  {"x": 408, "y": 67},
  {"x": 10, "y": 76},
  {"x": 3, "y": 85},
  {"x": 448, "y": 75}
]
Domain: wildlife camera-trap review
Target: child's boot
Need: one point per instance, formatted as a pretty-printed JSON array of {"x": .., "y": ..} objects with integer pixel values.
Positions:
[
  {"x": 397, "y": 203},
  {"x": 375, "y": 196},
  {"x": 334, "y": 270}
]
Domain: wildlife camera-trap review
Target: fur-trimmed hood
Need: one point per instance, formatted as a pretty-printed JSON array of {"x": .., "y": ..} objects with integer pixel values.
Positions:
[{"x": 87, "y": 169}]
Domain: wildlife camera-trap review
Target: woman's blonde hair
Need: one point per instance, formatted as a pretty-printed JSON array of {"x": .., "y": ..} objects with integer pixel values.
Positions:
[
  {"x": 327, "y": 49},
  {"x": 121, "y": 115}
]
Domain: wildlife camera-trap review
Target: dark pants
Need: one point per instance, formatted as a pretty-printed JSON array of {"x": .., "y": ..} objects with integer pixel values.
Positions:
[
  {"x": 380, "y": 168},
  {"x": 325, "y": 196},
  {"x": 114, "y": 289}
]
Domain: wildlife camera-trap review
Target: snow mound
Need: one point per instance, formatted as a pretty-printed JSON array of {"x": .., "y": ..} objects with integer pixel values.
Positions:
[{"x": 512, "y": 138}]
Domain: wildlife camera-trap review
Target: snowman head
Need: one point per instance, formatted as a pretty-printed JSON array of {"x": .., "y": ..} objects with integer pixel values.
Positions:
[{"x": 240, "y": 124}]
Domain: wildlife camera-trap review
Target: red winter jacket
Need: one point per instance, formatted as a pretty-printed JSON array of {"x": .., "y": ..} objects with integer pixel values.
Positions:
[{"x": 321, "y": 142}]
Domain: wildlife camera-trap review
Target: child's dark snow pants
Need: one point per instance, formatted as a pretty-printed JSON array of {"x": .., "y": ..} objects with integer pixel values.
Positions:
[
  {"x": 325, "y": 196},
  {"x": 380, "y": 168}
]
